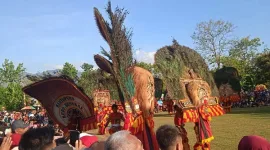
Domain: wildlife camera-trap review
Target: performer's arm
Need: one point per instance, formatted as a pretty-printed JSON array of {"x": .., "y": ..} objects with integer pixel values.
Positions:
[
  {"x": 108, "y": 121},
  {"x": 61, "y": 131},
  {"x": 123, "y": 118}
]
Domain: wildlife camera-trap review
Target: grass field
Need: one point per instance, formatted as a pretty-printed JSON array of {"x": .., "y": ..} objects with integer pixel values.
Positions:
[{"x": 229, "y": 128}]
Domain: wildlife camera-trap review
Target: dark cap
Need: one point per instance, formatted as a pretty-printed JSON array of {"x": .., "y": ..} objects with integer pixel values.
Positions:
[{"x": 18, "y": 124}]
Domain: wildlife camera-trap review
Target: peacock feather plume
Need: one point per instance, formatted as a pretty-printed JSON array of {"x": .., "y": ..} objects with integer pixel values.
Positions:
[{"x": 118, "y": 38}]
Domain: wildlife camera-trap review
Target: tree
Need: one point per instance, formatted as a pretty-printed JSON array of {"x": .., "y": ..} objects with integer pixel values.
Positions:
[
  {"x": 87, "y": 79},
  {"x": 152, "y": 68},
  {"x": 213, "y": 39},
  {"x": 242, "y": 55},
  {"x": 262, "y": 65},
  {"x": 12, "y": 96},
  {"x": 87, "y": 67},
  {"x": 91, "y": 80},
  {"x": 11, "y": 74},
  {"x": 70, "y": 71}
]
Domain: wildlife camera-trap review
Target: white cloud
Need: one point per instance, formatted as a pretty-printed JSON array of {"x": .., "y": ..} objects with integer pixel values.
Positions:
[
  {"x": 58, "y": 66},
  {"x": 143, "y": 56},
  {"x": 52, "y": 66}
]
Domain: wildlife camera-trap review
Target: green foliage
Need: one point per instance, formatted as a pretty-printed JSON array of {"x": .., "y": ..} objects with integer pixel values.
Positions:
[
  {"x": 91, "y": 80},
  {"x": 146, "y": 66},
  {"x": 87, "y": 67},
  {"x": 158, "y": 87},
  {"x": 12, "y": 96},
  {"x": 150, "y": 67},
  {"x": 11, "y": 74},
  {"x": 172, "y": 61},
  {"x": 248, "y": 82},
  {"x": 70, "y": 71},
  {"x": 242, "y": 55},
  {"x": 262, "y": 65},
  {"x": 213, "y": 39},
  {"x": 228, "y": 75}
]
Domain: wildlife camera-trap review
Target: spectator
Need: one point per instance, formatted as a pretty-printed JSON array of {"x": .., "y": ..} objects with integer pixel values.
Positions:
[
  {"x": 18, "y": 128},
  {"x": 57, "y": 130},
  {"x": 38, "y": 139},
  {"x": 169, "y": 138},
  {"x": 6, "y": 144},
  {"x": 253, "y": 143},
  {"x": 123, "y": 140},
  {"x": 88, "y": 139},
  {"x": 97, "y": 146}
]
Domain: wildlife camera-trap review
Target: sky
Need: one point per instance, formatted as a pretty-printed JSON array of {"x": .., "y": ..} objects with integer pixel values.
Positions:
[{"x": 44, "y": 34}]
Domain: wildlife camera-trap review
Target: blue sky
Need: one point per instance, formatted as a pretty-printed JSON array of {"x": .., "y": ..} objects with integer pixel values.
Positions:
[{"x": 44, "y": 34}]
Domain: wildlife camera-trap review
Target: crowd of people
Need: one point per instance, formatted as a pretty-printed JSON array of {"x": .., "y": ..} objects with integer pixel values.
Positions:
[
  {"x": 253, "y": 99},
  {"x": 168, "y": 138},
  {"x": 33, "y": 130},
  {"x": 15, "y": 124},
  {"x": 37, "y": 133},
  {"x": 248, "y": 99}
]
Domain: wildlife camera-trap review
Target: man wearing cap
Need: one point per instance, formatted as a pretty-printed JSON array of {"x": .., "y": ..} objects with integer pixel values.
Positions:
[{"x": 18, "y": 128}]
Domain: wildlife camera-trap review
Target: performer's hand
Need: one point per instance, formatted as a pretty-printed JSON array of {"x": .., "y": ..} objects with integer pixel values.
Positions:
[
  {"x": 6, "y": 144},
  {"x": 79, "y": 145}
]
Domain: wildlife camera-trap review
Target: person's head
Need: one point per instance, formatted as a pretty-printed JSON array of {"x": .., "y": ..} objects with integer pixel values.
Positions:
[
  {"x": 177, "y": 108},
  {"x": 253, "y": 142},
  {"x": 123, "y": 140},
  {"x": 114, "y": 108},
  {"x": 19, "y": 127},
  {"x": 169, "y": 138},
  {"x": 97, "y": 146},
  {"x": 56, "y": 125},
  {"x": 38, "y": 139}
]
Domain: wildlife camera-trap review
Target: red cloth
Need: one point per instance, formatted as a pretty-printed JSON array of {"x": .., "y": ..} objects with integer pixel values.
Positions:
[
  {"x": 115, "y": 118},
  {"x": 178, "y": 119},
  {"x": 253, "y": 143},
  {"x": 205, "y": 133},
  {"x": 170, "y": 106},
  {"x": 142, "y": 136},
  {"x": 16, "y": 138},
  {"x": 88, "y": 139}
]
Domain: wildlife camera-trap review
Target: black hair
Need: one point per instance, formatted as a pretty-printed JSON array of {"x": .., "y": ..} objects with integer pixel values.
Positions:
[
  {"x": 60, "y": 141},
  {"x": 167, "y": 136},
  {"x": 114, "y": 106},
  {"x": 37, "y": 139}
]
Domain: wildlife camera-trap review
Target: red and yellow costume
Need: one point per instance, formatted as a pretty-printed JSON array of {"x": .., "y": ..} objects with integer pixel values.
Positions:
[
  {"x": 203, "y": 129},
  {"x": 115, "y": 119},
  {"x": 179, "y": 123},
  {"x": 140, "y": 127}
]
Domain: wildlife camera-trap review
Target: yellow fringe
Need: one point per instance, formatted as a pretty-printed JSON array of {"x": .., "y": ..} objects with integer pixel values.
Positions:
[{"x": 208, "y": 140}]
